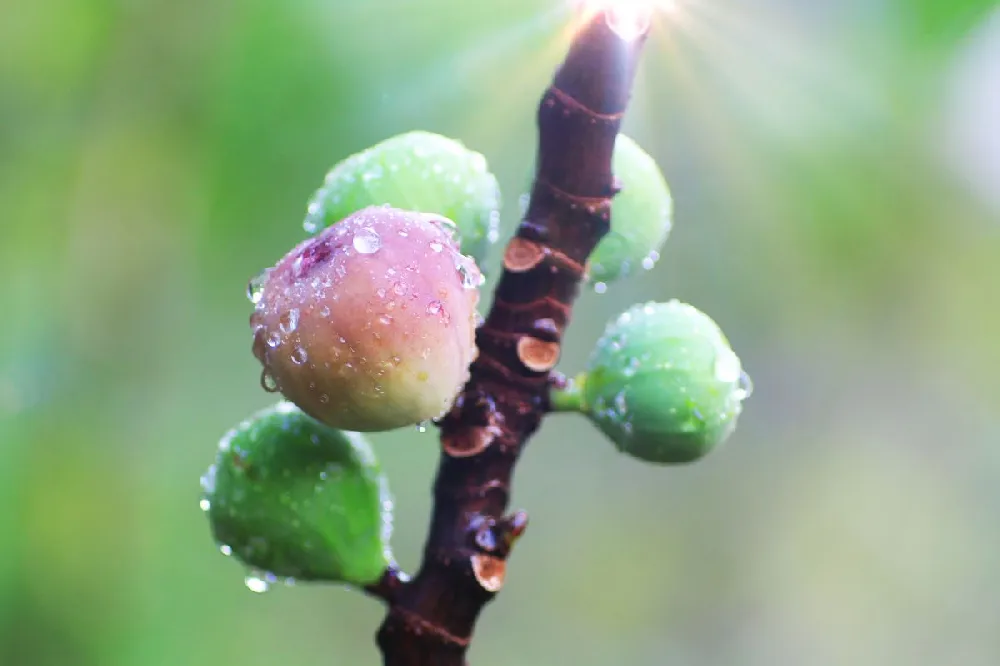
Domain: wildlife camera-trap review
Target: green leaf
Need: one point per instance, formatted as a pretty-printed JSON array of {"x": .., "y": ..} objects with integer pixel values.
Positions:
[
  {"x": 417, "y": 171},
  {"x": 294, "y": 498}
]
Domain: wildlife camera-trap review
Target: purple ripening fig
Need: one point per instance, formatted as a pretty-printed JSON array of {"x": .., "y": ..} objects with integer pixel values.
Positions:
[{"x": 369, "y": 325}]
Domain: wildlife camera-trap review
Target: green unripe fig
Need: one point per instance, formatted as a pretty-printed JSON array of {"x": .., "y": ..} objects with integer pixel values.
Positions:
[
  {"x": 662, "y": 383},
  {"x": 291, "y": 497},
  {"x": 640, "y": 215},
  {"x": 369, "y": 325},
  {"x": 417, "y": 171}
]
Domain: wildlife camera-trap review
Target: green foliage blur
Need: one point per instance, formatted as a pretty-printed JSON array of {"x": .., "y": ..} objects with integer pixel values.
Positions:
[{"x": 833, "y": 172}]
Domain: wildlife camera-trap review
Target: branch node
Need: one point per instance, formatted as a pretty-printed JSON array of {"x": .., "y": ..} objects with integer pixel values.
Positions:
[
  {"x": 522, "y": 255},
  {"x": 489, "y": 571},
  {"x": 537, "y": 355}
]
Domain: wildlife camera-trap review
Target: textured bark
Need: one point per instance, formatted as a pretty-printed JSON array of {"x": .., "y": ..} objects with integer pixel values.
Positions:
[{"x": 431, "y": 617}]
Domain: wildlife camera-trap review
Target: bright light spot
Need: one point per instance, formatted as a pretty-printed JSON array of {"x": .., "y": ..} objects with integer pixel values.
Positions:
[
  {"x": 630, "y": 19},
  {"x": 971, "y": 113}
]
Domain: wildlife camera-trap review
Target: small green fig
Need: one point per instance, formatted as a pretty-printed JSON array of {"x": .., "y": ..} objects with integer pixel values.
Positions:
[
  {"x": 640, "y": 215},
  {"x": 662, "y": 383},
  {"x": 292, "y": 498},
  {"x": 417, "y": 171},
  {"x": 370, "y": 325}
]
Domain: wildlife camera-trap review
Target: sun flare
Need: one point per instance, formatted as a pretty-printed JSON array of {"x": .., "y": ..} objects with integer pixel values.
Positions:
[{"x": 629, "y": 19}]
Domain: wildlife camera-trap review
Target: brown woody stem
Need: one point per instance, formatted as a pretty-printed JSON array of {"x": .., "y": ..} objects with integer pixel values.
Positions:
[{"x": 431, "y": 618}]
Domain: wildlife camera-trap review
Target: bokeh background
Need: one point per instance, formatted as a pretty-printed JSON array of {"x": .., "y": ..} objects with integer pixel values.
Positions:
[{"x": 836, "y": 171}]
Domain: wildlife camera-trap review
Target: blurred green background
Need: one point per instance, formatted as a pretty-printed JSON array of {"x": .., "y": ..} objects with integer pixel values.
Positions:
[{"x": 836, "y": 170}]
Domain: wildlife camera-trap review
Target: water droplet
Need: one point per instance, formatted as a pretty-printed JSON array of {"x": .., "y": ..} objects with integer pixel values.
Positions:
[
  {"x": 486, "y": 539},
  {"x": 620, "y": 405},
  {"x": 650, "y": 261},
  {"x": 385, "y": 319},
  {"x": 324, "y": 399},
  {"x": 204, "y": 504},
  {"x": 600, "y": 287},
  {"x": 422, "y": 426},
  {"x": 256, "y": 584},
  {"x": 727, "y": 367},
  {"x": 299, "y": 356},
  {"x": 470, "y": 275},
  {"x": 324, "y": 311},
  {"x": 547, "y": 325},
  {"x": 744, "y": 386},
  {"x": 273, "y": 339},
  {"x": 399, "y": 288},
  {"x": 225, "y": 550},
  {"x": 367, "y": 241},
  {"x": 208, "y": 479},
  {"x": 268, "y": 382},
  {"x": 289, "y": 321},
  {"x": 436, "y": 247},
  {"x": 434, "y": 307},
  {"x": 255, "y": 289}
]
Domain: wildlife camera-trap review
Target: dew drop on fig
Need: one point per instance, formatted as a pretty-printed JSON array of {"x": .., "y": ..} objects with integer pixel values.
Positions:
[
  {"x": 367, "y": 241},
  {"x": 256, "y": 584},
  {"x": 727, "y": 367},
  {"x": 255, "y": 289},
  {"x": 289, "y": 321},
  {"x": 267, "y": 382}
]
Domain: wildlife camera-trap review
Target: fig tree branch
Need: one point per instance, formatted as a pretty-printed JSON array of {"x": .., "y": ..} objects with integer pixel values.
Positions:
[{"x": 431, "y": 618}]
